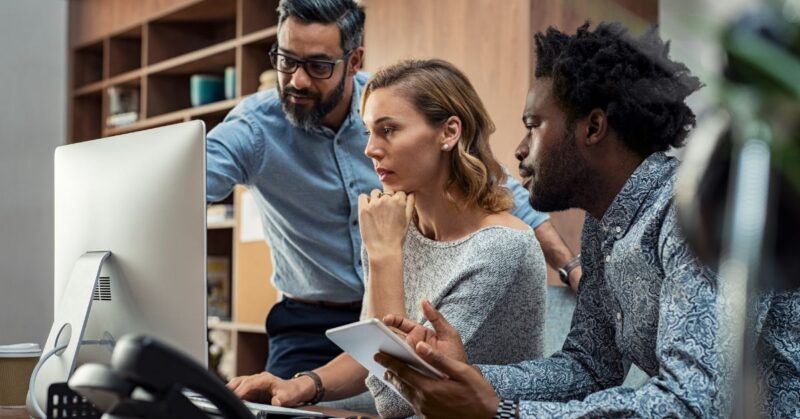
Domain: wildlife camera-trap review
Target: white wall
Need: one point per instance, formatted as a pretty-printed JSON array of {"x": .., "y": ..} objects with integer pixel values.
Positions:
[{"x": 33, "y": 72}]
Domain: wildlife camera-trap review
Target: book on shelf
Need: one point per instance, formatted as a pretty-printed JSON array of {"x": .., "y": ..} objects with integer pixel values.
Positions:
[
  {"x": 122, "y": 119},
  {"x": 219, "y": 213},
  {"x": 123, "y": 105},
  {"x": 219, "y": 287}
]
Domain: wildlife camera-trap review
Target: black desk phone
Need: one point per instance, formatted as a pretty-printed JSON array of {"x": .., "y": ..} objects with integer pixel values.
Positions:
[{"x": 147, "y": 379}]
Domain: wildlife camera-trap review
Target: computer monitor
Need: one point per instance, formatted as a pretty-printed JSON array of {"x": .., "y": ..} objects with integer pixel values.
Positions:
[{"x": 141, "y": 197}]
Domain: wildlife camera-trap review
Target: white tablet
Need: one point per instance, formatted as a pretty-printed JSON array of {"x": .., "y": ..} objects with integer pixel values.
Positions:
[{"x": 362, "y": 340}]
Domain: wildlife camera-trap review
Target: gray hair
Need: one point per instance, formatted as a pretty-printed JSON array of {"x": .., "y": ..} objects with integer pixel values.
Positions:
[{"x": 347, "y": 14}]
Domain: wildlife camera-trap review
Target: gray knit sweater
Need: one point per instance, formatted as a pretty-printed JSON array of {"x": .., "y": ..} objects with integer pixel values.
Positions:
[{"x": 489, "y": 285}]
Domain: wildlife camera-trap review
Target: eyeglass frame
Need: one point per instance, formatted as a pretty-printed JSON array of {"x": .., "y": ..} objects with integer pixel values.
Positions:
[{"x": 274, "y": 53}]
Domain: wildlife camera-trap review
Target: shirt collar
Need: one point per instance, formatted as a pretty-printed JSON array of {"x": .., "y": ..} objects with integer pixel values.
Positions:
[
  {"x": 647, "y": 177},
  {"x": 351, "y": 116}
]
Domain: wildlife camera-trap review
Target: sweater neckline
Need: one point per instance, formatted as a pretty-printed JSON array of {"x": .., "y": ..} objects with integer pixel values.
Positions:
[{"x": 418, "y": 236}]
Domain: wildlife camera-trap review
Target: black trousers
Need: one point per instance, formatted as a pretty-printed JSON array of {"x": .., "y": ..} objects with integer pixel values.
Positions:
[{"x": 297, "y": 340}]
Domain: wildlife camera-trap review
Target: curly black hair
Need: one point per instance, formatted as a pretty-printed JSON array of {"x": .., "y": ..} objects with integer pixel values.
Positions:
[{"x": 631, "y": 79}]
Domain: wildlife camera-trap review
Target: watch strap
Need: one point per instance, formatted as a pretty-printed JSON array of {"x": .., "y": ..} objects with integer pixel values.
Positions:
[
  {"x": 507, "y": 409},
  {"x": 563, "y": 272},
  {"x": 318, "y": 387}
]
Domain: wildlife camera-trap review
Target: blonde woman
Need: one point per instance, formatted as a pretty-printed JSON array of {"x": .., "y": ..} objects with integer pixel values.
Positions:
[{"x": 440, "y": 231}]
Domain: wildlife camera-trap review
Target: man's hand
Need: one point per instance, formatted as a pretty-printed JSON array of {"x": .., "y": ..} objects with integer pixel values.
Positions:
[
  {"x": 443, "y": 338},
  {"x": 267, "y": 388},
  {"x": 464, "y": 394}
]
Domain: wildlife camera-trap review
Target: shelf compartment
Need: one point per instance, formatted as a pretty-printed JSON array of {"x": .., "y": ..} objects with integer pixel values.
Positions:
[
  {"x": 87, "y": 64},
  {"x": 177, "y": 116},
  {"x": 251, "y": 352},
  {"x": 255, "y": 60},
  {"x": 126, "y": 100},
  {"x": 220, "y": 270},
  {"x": 198, "y": 26},
  {"x": 144, "y": 124},
  {"x": 86, "y": 117},
  {"x": 169, "y": 89},
  {"x": 125, "y": 52},
  {"x": 258, "y": 15}
]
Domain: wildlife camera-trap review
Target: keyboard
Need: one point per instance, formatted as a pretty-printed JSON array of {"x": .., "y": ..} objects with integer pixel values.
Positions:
[{"x": 258, "y": 409}]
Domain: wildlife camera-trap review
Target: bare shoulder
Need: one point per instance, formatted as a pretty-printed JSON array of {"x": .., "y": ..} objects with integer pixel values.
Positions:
[{"x": 505, "y": 219}]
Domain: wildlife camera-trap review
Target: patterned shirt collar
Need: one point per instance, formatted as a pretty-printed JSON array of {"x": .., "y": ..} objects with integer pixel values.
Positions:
[{"x": 647, "y": 177}]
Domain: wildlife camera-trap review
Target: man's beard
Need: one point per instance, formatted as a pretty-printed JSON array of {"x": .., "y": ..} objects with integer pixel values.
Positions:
[
  {"x": 562, "y": 179},
  {"x": 309, "y": 118}
]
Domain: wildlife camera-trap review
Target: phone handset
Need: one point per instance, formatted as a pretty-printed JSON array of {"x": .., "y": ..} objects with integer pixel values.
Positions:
[{"x": 162, "y": 373}]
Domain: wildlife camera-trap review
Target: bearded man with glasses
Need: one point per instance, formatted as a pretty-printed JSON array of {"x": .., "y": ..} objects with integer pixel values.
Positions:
[{"x": 299, "y": 149}]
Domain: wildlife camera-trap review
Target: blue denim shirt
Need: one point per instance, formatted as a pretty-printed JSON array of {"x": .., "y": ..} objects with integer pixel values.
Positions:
[{"x": 306, "y": 185}]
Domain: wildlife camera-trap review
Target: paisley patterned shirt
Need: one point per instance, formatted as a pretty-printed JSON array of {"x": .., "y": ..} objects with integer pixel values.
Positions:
[
  {"x": 778, "y": 353},
  {"x": 643, "y": 299}
]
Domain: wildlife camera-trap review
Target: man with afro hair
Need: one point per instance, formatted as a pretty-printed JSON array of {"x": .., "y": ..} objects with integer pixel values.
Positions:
[{"x": 602, "y": 110}]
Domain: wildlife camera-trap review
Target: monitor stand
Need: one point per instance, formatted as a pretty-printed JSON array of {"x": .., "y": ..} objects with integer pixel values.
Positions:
[{"x": 69, "y": 323}]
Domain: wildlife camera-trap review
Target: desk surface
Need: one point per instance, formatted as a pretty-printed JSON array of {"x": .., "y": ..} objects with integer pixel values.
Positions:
[{"x": 20, "y": 413}]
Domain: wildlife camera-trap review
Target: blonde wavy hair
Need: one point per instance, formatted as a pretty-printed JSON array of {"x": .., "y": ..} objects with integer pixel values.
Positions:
[{"x": 438, "y": 90}]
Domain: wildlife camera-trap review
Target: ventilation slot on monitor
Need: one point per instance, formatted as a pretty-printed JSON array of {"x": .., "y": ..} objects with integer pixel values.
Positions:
[{"x": 102, "y": 292}]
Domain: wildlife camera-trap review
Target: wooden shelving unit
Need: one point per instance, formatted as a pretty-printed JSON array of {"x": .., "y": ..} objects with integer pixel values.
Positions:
[
  {"x": 159, "y": 55},
  {"x": 156, "y": 53}
]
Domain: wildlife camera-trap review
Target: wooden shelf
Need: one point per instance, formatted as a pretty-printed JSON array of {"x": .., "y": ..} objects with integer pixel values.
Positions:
[
  {"x": 218, "y": 225},
  {"x": 237, "y": 327},
  {"x": 89, "y": 89},
  {"x": 131, "y": 77},
  {"x": 214, "y": 56},
  {"x": 176, "y": 116},
  {"x": 262, "y": 36}
]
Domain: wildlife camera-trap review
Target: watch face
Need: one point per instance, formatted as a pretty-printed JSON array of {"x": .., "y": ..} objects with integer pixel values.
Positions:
[{"x": 563, "y": 275}]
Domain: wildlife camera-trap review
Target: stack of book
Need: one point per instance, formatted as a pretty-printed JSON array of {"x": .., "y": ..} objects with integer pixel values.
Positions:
[{"x": 123, "y": 106}]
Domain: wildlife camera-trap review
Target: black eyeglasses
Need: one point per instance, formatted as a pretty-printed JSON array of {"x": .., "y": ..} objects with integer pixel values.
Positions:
[{"x": 315, "y": 68}]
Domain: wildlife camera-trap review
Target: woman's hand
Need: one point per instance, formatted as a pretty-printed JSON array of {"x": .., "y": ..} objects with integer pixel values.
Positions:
[
  {"x": 267, "y": 388},
  {"x": 383, "y": 220}
]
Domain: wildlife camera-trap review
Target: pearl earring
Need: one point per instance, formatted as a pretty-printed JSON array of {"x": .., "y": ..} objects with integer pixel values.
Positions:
[{"x": 445, "y": 147}]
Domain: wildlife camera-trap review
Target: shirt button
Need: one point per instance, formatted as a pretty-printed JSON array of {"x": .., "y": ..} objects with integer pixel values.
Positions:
[
  {"x": 608, "y": 258},
  {"x": 618, "y": 229},
  {"x": 355, "y": 222},
  {"x": 619, "y": 316},
  {"x": 352, "y": 184}
]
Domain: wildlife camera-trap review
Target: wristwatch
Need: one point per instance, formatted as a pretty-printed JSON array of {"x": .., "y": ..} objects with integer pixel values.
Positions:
[
  {"x": 507, "y": 409},
  {"x": 563, "y": 273},
  {"x": 318, "y": 387}
]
